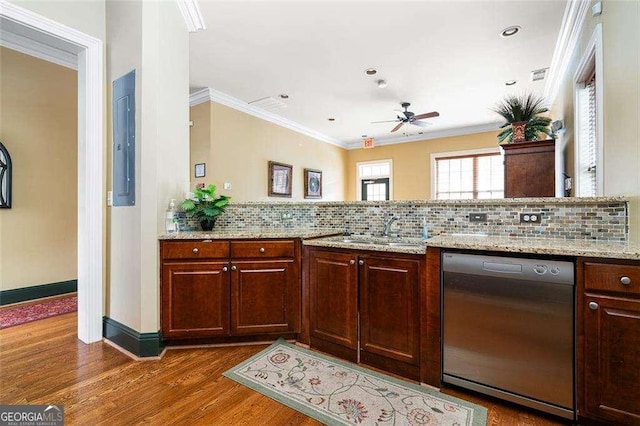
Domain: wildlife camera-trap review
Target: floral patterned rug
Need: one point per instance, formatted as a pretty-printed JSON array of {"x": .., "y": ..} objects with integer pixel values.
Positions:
[
  {"x": 337, "y": 392},
  {"x": 17, "y": 315}
]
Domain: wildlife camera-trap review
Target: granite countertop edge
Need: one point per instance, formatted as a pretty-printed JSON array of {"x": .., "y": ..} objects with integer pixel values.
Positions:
[{"x": 551, "y": 246}]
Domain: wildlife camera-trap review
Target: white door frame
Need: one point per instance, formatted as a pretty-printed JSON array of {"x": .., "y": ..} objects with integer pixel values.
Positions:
[{"x": 90, "y": 163}]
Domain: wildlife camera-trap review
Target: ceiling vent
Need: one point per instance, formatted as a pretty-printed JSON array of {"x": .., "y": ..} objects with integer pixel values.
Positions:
[
  {"x": 269, "y": 104},
  {"x": 537, "y": 75}
]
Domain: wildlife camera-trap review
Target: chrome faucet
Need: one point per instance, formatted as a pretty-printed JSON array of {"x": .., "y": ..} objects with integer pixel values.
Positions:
[{"x": 387, "y": 226}]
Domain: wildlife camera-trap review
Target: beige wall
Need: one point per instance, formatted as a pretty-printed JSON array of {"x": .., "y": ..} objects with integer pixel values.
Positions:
[
  {"x": 241, "y": 146},
  {"x": 151, "y": 38},
  {"x": 200, "y": 142},
  {"x": 621, "y": 73},
  {"x": 412, "y": 162},
  {"x": 38, "y": 125}
]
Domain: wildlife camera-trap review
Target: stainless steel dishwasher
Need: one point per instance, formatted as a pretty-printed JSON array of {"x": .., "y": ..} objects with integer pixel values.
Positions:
[{"x": 508, "y": 329}]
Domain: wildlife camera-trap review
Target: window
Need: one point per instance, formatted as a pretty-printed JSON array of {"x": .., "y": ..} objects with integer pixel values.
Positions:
[
  {"x": 589, "y": 118},
  {"x": 374, "y": 180},
  {"x": 467, "y": 175}
]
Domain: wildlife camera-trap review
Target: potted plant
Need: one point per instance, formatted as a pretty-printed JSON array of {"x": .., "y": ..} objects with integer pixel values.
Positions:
[
  {"x": 205, "y": 206},
  {"x": 523, "y": 119}
]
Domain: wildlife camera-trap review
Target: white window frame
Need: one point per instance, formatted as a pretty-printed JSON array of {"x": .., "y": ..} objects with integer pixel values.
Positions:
[
  {"x": 466, "y": 153},
  {"x": 591, "y": 57},
  {"x": 360, "y": 178}
]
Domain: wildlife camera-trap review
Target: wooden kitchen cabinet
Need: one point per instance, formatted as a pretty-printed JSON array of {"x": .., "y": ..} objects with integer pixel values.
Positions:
[
  {"x": 384, "y": 289},
  {"x": 390, "y": 314},
  {"x": 609, "y": 329},
  {"x": 226, "y": 288},
  {"x": 333, "y": 303}
]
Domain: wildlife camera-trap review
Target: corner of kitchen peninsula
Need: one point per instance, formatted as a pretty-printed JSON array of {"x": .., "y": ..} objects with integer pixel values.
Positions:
[{"x": 360, "y": 281}]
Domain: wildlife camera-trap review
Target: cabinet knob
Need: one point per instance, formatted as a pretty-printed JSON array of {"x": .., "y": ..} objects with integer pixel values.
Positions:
[
  {"x": 352, "y": 262},
  {"x": 360, "y": 262},
  {"x": 625, "y": 280},
  {"x": 593, "y": 306},
  {"x": 233, "y": 268},
  {"x": 195, "y": 250},
  {"x": 261, "y": 250},
  {"x": 225, "y": 269}
]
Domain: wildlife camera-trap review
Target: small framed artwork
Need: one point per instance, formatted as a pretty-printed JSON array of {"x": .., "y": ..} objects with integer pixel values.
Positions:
[
  {"x": 312, "y": 183},
  {"x": 200, "y": 170},
  {"x": 280, "y": 176}
]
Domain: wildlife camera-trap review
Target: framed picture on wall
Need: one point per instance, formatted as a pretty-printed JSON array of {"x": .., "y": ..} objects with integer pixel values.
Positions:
[
  {"x": 280, "y": 176},
  {"x": 312, "y": 183},
  {"x": 200, "y": 170}
]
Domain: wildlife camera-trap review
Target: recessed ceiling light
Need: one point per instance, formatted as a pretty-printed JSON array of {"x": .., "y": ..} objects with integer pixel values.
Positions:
[
  {"x": 510, "y": 31},
  {"x": 331, "y": 119},
  {"x": 283, "y": 96},
  {"x": 371, "y": 71},
  {"x": 510, "y": 83},
  {"x": 382, "y": 84}
]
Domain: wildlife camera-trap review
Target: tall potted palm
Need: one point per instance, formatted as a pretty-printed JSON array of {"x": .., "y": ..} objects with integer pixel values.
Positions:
[{"x": 523, "y": 119}]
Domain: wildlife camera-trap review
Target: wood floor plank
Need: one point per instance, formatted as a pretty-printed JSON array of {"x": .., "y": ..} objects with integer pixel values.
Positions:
[{"x": 43, "y": 363}]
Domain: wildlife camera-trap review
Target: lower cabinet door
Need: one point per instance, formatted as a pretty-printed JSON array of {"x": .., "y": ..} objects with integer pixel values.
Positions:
[
  {"x": 333, "y": 306},
  {"x": 612, "y": 359},
  {"x": 265, "y": 297},
  {"x": 195, "y": 300},
  {"x": 389, "y": 308}
]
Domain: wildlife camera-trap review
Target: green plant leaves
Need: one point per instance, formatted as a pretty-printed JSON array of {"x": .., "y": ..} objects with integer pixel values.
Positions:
[
  {"x": 524, "y": 108},
  {"x": 205, "y": 203}
]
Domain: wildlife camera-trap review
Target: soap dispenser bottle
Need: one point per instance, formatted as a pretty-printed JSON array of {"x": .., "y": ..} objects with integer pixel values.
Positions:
[{"x": 171, "y": 218}]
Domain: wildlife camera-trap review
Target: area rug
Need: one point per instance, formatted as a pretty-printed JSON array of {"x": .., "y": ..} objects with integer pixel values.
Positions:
[
  {"x": 10, "y": 317},
  {"x": 337, "y": 392}
]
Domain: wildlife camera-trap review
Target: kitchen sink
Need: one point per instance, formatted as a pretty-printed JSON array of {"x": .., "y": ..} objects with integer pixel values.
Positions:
[
  {"x": 401, "y": 244},
  {"x": 356, "y": 241}
]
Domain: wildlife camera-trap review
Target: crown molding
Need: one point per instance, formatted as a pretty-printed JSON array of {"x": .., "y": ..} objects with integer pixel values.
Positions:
[
  {"x": 211, "y": 95},
  {"x": 190, "y": 10},
  {"x": 574, "y": 15},
  {"x": 43, "y": 51},
  {"x": 445, "y": 133}
]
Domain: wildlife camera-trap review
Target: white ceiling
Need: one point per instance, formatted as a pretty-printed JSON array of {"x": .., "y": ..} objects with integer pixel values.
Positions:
[{"x": 444, "y": 56}]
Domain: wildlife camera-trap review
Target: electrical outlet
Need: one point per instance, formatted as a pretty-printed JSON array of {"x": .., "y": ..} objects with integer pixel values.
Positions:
[
  {"x": 286, "y": 216},
  {"x": 530, "y": 217},
  {"x": 477, "y": 217}
]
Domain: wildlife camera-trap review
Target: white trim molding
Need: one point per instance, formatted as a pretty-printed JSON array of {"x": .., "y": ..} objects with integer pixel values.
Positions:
[
  {"x": 39, "y": 50},
  {"x": 590, "y": 58},
  {"x": 211, "y": 95},
  {"x": 190, "y": 10},
  {"x": 572, "y": 22},
  {"x": 90, "y": 161}
]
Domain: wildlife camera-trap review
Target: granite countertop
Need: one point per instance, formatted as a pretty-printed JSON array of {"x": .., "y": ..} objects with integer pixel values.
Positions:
[
  {"x": 355, "y": 242},
  {"x": 602, "y": 249},
  {"x": 250, "y": 233}
]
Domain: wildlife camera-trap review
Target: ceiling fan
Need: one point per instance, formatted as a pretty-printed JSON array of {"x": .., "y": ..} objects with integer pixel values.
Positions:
[{"x": 407, "y": 116}]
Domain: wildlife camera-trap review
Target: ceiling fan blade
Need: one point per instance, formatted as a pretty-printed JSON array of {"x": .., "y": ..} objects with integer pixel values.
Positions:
[
  {"x": 401, "y": 114},
  {"x": 386, "y": 121},
  {"x": 421, "y": 123},
  {"x": 426, "y": 115},
  {"x": 397, "y": 127}
]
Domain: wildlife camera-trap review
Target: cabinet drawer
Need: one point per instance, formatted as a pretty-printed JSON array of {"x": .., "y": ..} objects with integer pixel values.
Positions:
[
  {"x": 258, "y": 249},
  {"x": 611, "y": 277},
  {"x": 195, "y": 249}
]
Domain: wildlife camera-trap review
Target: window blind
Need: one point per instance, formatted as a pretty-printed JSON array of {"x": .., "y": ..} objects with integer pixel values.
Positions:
[
  {"x": 469, "y": 176},
  {"x": 587, "y": 139}
]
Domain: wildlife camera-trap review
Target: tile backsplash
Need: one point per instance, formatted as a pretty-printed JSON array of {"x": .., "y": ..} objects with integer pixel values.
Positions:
[{"x": 601, "y": 218}]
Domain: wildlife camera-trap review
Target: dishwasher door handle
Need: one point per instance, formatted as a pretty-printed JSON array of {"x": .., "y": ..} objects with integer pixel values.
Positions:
[{"x": 505, "y": 268}]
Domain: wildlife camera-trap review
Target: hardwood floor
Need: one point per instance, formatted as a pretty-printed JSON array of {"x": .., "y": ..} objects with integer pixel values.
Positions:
[{"x": 43, "y": 363}]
